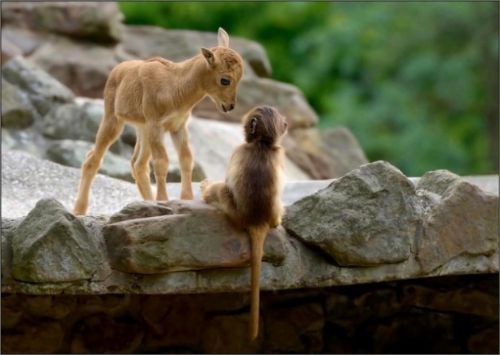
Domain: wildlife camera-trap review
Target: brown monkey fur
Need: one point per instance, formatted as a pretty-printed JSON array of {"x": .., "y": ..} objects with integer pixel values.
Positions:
[
  {"x": 157, "y": 95},
  {"x": 251, "y": 193}
]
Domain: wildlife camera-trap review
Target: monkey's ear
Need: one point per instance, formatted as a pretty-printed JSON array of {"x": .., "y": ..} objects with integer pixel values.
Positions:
[
  {"x": 209, "y": 56},
  {"x": 253, "y": 125},
  {"x": 223, "y": 38}
]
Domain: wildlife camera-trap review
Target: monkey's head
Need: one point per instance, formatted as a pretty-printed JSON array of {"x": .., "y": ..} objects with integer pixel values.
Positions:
[{"x": 264, "y": 124}]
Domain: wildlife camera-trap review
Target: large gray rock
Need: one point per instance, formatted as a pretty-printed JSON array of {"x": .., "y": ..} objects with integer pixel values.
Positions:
[
  {"x": 368, "y": 217},
  {"x": 191, "y": 235},
  {"x": 252, "y": 92},
  {"x": 214, "y": 158},
  {"x": 9, "y": 50},
  {"x": 17, "y": 111},
  {"x": 141, "y": 209},
  {"x": 27, "y": 140},
  {"x": 70, "y": 121},
  {"x": 27, "y": 41},
  {"x": 73, "y": 152},
  {"x": 43, "y": 90},
  {"x": 99, "y": 22},
  {"x": 52, "y": 245},
  {"x": 324, "y": 154},
  {"x": 79, "y": 121},
  {"x": 464, "y": 221},
  {"x": 177, "y": 45},
  {"x": 83, "y": 67},
  {"x": 343, "y": 149}
]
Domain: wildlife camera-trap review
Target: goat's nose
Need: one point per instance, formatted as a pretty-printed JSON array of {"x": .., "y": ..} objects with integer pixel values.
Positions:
[{"x": 231, "y": 107}]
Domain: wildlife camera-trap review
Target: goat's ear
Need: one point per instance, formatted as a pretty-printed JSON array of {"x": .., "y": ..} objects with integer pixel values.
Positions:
[
  {"x": 223, "y": 38},
  {"x": 209, "y": 56}
]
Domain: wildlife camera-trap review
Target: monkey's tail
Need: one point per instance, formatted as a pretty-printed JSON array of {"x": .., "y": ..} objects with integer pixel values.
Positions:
[{"x": 257, "y": 237}]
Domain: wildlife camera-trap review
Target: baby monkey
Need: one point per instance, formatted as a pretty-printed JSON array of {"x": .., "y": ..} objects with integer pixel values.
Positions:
[{"x": 251, "y": 194}]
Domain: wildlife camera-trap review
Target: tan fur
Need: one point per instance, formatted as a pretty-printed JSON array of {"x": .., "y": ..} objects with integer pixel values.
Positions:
[
  {"x": 157, "y": 95},
  {"x": 251, "y": 193}
]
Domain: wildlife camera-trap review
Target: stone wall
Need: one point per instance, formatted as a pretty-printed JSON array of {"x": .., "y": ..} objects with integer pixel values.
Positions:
[
  {"x": 438, "y": 315},
  {"x": 174, "y": 276}
]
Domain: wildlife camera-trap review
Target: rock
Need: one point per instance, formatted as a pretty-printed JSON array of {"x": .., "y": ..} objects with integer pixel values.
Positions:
[
  {"x": 53, "y": 307},
  {"x": 365, "y": 218},
  {"x": 296, "y": 329},
  {"x": 20, "y": 192},
  {"x": 79, "y": 121},
  {"x": 484, "y": 341},
  {"x": 128, "y": 136},
  {"x": 115, "y": 305},
  {"x": 307, "y": 154},
  {"x": 44, "y": 91},
  {"x": 83, "y": 67},
  {"x": 324, "y": 155},
  {"x": 11, "y": 309},
  {"x": 348, "y": 309},
  {"x": 428, "y": 333},
  {"x": 437, "y": 181},
  {"x": 9, "y": 50},
  {"x": 17, "y": 111},
  {"x": 259, "y": 91},
  {"x": 8, "y": 227},
  {"x": 141, "y": 209},
  {"x": 214, "y": 158},
  {"x": 173, "y": 321},
  {"x": 51, "y": 245},
  {"x": 28, "y": 140},
  {"x": 27, "y": 41},
  {"x": 174, "y": 173},
  {"x": 99, "y": 22},
  {"x": 177, "y": 45},
  {"x": 463, "y": 300},
  {"x": 343, "y": 149},
  {"x": 465, "y": 221},
  {"x": 68, "y": 121},
  {"x": 72, "y": 153},
  {"x": 223, "y": 334},
  {"x": 39, "y": 338},
  {"x": 100, "y": 333},
  {"x": 196, "y": 236}
]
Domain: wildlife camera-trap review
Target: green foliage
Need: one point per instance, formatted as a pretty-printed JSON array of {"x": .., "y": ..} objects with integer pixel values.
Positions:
[{"x": 409, "y": 79}]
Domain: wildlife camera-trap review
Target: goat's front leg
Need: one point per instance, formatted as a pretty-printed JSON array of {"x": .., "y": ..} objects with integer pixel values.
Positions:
[
  {"x": 160, "y": 159},
  {"x": 181, "y": 143}
]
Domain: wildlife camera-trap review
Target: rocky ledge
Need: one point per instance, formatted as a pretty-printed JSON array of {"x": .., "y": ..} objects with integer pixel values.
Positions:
[{"x": 373, "y": 224}]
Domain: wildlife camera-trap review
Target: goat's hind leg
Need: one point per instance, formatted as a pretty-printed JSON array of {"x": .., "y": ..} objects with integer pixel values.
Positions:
[
  {"x": 140, "y": 165},
  {"x": 109, "y": 130},
  {"x": 160, "y": 159}
]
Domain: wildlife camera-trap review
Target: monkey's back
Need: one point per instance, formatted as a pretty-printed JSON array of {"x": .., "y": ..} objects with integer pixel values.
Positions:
[{"x": 256, "y": 183}]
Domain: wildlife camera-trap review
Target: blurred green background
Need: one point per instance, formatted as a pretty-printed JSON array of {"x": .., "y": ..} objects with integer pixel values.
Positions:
[{"x": 417, "y": 83}]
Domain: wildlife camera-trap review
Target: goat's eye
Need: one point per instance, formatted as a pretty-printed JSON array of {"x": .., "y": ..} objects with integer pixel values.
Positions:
[{"x": 225, "y": 82}]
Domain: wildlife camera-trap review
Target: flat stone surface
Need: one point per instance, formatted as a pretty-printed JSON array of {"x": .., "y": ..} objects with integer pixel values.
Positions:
[
  {"x": 190, "y": 235},
  {"x": 20, "y": 192}
]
